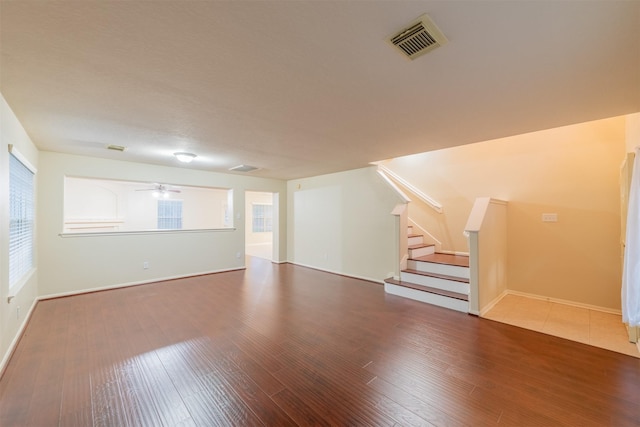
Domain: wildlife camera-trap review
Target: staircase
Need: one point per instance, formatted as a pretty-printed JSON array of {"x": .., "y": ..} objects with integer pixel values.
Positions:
[{"x": 431, "y": 277}]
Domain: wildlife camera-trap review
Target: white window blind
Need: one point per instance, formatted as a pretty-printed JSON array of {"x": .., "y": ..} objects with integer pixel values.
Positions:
[
  {"x": 262, "y": 218},
  {"x": 21, "y": 219},
  {"x": 169, "y": 214}
]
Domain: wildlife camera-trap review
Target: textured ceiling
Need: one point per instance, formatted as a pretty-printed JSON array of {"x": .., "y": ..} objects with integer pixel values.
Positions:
[{"x": 305, "y": 88}]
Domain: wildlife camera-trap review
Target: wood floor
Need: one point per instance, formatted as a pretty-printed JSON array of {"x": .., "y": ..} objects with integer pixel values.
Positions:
[{"x": 286, "y": 345}]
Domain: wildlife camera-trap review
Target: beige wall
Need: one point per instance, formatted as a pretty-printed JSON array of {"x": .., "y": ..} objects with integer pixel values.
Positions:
[
  {"x": 12, "y": 314},
  {"x": 572, "y": 171},
  {"x": 342, "y": 223},
  {"x": 633, "y": 131},
  {"x": 75, "y": 263}
]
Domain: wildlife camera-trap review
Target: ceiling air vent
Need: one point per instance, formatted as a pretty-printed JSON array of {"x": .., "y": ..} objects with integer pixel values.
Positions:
[
  {"x": 116, "y": 147},
  {"x": 243, "y": 168},
  {"x": 420, "y": 37}
]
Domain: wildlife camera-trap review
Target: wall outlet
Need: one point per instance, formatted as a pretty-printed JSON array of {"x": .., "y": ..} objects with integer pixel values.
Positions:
[
  {"x": 238, "y": 255},
  {"x": 145, "y": 265},
  {"x": 549, "y": 217}
]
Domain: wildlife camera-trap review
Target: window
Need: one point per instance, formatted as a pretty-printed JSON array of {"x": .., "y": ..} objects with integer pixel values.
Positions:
[
  {"x": 262, "y": 218},
  {"x": 21, "y": 219},
  {"x": 169, "y": 214}
]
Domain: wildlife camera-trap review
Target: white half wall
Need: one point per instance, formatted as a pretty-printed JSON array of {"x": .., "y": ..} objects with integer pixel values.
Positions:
[
  {"x": 75, "y": 263},
  {"x": 342, "y": 223}
]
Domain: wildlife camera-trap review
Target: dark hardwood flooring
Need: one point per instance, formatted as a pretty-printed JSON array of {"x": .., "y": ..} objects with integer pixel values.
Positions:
[{"x": 286, "y": 345}]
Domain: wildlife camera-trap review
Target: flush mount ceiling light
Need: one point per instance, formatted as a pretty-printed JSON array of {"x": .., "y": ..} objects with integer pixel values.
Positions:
[
  {"x": 243, "y": 168},
  {"x": 185, "y": 157}
]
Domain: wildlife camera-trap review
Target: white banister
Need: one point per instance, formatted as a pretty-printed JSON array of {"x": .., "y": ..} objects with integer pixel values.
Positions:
[{"x": 389, "y": 175}]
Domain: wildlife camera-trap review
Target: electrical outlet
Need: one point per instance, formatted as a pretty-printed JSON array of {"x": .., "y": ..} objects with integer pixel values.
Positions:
[
  {"x": 238, "y": 255},
  {"x": 549, "y": 217},
  {"x": 145, "y": 265}
]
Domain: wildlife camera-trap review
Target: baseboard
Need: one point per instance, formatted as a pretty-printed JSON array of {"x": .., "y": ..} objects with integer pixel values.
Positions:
[
  {"x": 352, "y": 276},
  {"x": 16, "y": 338},
  {"x": 126, "y": 285},
  {"x": 493, "y": 303},
  {"x": 566, "y": 302}
]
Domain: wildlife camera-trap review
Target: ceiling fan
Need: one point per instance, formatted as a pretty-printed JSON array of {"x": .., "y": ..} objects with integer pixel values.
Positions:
[{"x": 160, "y": 190}]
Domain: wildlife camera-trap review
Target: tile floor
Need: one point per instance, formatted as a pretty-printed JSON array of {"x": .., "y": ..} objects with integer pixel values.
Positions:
[{"x": 573, "y": 323}]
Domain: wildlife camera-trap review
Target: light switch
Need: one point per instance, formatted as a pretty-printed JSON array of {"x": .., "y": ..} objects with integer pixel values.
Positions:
[{"x": 549, "y": 217}]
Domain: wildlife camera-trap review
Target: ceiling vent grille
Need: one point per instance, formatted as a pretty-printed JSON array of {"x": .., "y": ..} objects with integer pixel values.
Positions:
[{"x": 420, "y": 37}]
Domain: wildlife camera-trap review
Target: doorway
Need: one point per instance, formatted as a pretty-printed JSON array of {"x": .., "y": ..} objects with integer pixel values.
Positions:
[{"x": 261, "y": 223}]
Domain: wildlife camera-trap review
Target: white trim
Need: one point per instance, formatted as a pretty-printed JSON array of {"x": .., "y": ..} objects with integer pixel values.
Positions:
[
  {"x": 15, "y": 289},
  {"x": 121, "y": 233},
  {"x": 16, "y": 338},
  {"x": 395, "y": 188},
  {"x": 415, "y": 224},
  {"x": 458, "y": 253},
  {"x": 493, "y": 303},
  {"x": 129, "y": 284},
  {"x": 565, "y": 302},
  {"x": 22, "y": 159},
  {"x": 415, "y": 190},
  {"x": 368, "y": 279}
]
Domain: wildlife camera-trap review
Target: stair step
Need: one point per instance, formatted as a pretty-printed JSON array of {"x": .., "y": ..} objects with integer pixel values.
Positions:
[
  {"x": 415, "y": 239},
  {"x": 420, "y": 250},
  {"x": 431, "y": 290},
  {"x": 435, "y": 280},
  {"x": 451, "y": 300},
  {"x": 439, "y": 263},
  {"x": 437, "y": 276},
  {"x": 449, "y": 259}
]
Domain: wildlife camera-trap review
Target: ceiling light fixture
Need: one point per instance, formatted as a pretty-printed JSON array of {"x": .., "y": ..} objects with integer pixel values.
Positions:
[{"x": 185, "y": 157}]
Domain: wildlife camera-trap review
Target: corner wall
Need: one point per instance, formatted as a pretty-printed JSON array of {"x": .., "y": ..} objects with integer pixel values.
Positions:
[
  {"x": 572, "y": 171},
  {"x": 77, "y": 263},
  {"x": 11, "y": 319},
  {"x": 342, "y": 223}
]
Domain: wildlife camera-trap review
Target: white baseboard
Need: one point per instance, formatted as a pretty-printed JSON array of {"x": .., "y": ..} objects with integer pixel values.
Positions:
[
  {"x": 126, "y": 285},
  {"x": 563, "y": 301},
  {"x": 339, "y": 273},
  {"x": 16, "y": 338},
  {"x": 493, "y": 303}
]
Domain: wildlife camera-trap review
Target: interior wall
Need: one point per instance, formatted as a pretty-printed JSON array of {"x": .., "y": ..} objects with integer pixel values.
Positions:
[
  {"x": 572, "y": 171},
  {"x": 75, "y": 263},
  {"x": 12, "y": 314},
  {"x": 342, "y": 223},
  {"x": 633, "y": 131}
]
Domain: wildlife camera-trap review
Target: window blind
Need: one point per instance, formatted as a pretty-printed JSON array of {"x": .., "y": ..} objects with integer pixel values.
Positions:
[
  {"x": 21, "y": 220},
  {"x": 169, "y": 214}
]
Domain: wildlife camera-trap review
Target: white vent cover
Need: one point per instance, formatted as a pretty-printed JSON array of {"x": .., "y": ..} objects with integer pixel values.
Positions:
[{"x": 420, "y": 37}]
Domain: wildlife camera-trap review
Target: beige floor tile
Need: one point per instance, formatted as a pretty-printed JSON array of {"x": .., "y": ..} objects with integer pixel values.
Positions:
[{"x": 592, "y": 327}]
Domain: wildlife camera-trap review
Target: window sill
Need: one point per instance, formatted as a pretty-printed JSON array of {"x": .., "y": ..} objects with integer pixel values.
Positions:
[{"x": 145, "y": 232}]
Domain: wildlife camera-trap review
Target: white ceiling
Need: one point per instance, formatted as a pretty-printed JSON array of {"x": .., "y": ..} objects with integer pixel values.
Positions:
[{"x": 301, "y": 88}]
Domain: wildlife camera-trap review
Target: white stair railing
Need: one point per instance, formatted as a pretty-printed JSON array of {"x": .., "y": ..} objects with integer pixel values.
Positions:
[{"x": 389, "y": 175}]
